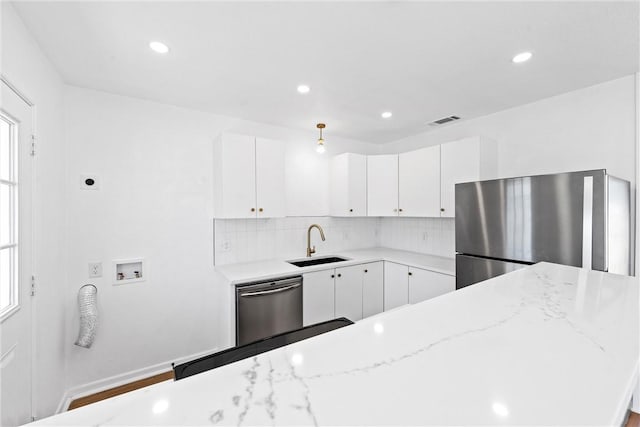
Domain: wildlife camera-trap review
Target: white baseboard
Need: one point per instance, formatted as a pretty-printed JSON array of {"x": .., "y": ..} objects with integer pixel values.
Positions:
[{"x": 121, "y": 379}]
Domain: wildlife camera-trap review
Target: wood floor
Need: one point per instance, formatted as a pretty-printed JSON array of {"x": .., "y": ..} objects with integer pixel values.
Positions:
[
  {"x": 92, "y": 398},
  {"x": 632, "y": 421}
]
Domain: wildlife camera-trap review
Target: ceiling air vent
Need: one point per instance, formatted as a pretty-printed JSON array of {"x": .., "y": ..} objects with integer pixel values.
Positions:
[{"x": 444, "y": 120}]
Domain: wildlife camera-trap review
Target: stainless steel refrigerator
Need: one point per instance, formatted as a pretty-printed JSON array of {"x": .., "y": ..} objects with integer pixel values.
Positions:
[{"x": 576, "y": 218}]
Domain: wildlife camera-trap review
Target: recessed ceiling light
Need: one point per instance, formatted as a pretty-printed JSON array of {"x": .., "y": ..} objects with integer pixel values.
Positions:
[
  {"x": 303, "y": 89},
  {"x": 522, "y": 57},
  {"x": 386, "y": 114},
  {"x": 159, "y": 47}
]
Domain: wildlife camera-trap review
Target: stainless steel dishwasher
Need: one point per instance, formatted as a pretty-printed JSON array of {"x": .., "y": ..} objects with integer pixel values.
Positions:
[{"x": 268, "y": 308}]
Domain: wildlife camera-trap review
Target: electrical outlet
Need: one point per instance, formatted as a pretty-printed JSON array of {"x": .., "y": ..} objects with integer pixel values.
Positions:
[
  {"x": 95, "y": 269},
  {"x": 225, "y": 246}
]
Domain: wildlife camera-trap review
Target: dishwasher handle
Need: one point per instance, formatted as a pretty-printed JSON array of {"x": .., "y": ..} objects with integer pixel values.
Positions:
[{"x": 270, "y": 291}]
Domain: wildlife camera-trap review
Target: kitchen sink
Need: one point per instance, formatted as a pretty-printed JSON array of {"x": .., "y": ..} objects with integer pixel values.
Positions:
[{"x": 317, "y": 261}]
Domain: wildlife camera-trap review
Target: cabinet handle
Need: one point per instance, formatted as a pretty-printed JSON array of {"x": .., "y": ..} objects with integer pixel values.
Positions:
[
  {"x": 395, "y": 210},
  {"x": 333, "y": 276},
  {"x": 260, "y": 210},
  {"x": 253, "y": 209},
  {"x": 350, "y": 210},
  {"x": 410, "y": 274},
  {"x": 400, "y": 210},
  {"x": 339, "y": 275},
  {"x": 366, "y": 271},
  {"x": 441, "y": 209}
]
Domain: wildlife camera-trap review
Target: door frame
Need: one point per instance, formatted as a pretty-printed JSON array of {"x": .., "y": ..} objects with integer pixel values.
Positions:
[{"x": 32, "y": 253}]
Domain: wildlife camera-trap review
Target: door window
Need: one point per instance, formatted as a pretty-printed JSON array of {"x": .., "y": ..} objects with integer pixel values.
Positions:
[{"x": 8, "y": 216}]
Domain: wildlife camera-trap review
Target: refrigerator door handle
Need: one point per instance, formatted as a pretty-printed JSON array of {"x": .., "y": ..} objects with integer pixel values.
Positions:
[{"x": 587, "y": 223}]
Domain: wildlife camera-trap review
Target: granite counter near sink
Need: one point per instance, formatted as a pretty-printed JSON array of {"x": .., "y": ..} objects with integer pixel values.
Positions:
[
  {"x": 271, "y": 269},
  {"x": 546, "y": 345}
]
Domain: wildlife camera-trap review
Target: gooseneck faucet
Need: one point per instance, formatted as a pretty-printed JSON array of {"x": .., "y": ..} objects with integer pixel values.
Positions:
[{"x": 312, "y": 250}]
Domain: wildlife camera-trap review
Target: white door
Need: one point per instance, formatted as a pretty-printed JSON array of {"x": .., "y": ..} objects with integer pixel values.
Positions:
[
  {"x": 419, "y": 183},
  {"x": 318, "y": 297},
  {"x": 270, "y": 181},
  {"x": 382, "y": 185},
  {"x": 349, "y": 292},
  {"x": 235, "y": 172},
  {"x": 424, "y": 284},
  {"x": 460, "y": 162},
  {"x": 396, "y": 285},
  {"x": 372, "y": 289},
  {"x": 16, "y": 129}
]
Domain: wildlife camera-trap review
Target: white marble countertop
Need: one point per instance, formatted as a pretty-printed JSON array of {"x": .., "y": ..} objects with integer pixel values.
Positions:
[
  {"x": 546, "y": 345},
  {"x": 270, "y": 269}
]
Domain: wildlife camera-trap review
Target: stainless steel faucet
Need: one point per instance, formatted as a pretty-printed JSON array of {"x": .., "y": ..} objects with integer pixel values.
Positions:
[{"x": 312, "y": 250}]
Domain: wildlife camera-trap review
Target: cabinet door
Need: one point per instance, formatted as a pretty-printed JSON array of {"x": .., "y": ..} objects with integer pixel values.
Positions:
[
  {"x": 357, "y": 182},
  {"x": 382, "y": 185},
  {"x": 396, "y": 285},
  {"x": 235, "y": 176},
  {"x": 372, "y": 289},
  {"x": 419, "y": 183},
  {"x": 349, "y": 292},
  {"x": 460, "y": 162},
  {"x": 270, "y": 178},
  {"x": 317, "y": 297},
  {"x": 339, "y": 188},
  {"x": 424, "y": 284}
]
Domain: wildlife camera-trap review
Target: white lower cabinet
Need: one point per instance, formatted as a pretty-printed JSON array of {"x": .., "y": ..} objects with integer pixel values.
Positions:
[
  {"x": 318, "y": 297},
  {"x": 424, "y": 284},
  {"x": 353, "y": 292},
  {"x": 363, "y": 290},
  {"x": 372, "y": 289},
  {"x": 349, "y": 292},
  {"x": 396, "y": 285},
  {"x": 359, "y": 291}
]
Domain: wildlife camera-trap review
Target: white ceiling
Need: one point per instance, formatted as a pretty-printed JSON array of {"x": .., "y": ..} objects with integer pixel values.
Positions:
[{"x": 421, "y": 60}]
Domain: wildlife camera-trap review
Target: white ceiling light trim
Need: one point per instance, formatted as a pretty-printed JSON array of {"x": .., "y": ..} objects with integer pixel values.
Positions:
[
  {"x": 386, "y": 115},
  {"x": 303, "y": 89},
  {"x": 159, "y": 47},
  {"x": 522, "y": 57}
]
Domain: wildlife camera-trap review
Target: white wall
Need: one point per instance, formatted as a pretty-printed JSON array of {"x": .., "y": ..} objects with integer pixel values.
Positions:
[
  {"x": 591, "y": 128},
  {"x": 155, "y": 165},
  {"x": 24, "y": 65}
]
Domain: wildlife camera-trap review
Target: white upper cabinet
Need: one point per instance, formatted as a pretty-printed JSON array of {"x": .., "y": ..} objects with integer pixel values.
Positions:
[
  {"x": 419, "y": 183},
  {"x": 382, "y": 185},
  {"x": 270, "y": 178},
  {"x": 235, "y": 176},
  {"x": 348, "y": 190},
  {"x": 249, "y": 177},
  {"x": 466, "y": 160}
]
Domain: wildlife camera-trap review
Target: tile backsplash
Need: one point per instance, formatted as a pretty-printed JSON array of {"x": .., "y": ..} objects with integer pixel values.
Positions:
[
  {"x": 434, "y": 236},
  {"x": 247, "y": 240}
]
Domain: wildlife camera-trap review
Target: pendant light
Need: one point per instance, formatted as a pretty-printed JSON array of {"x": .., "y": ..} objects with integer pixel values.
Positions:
[{"x": 320, "y": 148}]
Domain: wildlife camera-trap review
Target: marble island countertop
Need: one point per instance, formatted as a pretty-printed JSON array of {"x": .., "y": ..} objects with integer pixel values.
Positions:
[
  {"x": 546, "y": 345},
  {"x": 271, "y": 269}
]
